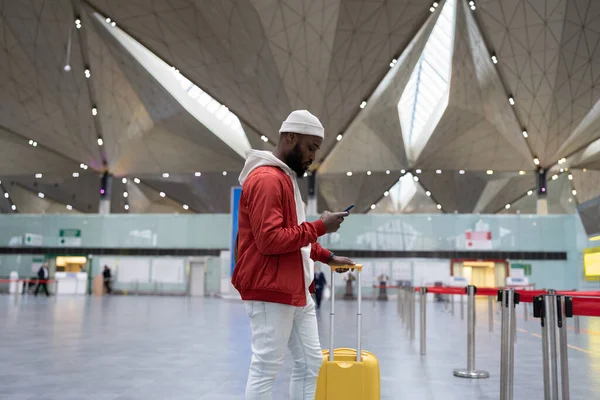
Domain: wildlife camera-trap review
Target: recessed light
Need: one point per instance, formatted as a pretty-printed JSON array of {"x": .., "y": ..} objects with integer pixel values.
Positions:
[
  {"x": 69, "y": 207},
  {"x": 41, "y": 195},
  {"x": 224, "y": 173},
  {"x": 363, "y": 104},
  {"x": 386, "y": 193},
  {"x": 494, "y": 59},
  {"x": 554, "y": 177},
  {"x": 574, "y": 192},
  {"x": 186, "y": 207},
  {"x": 100, "y": 142},
  {"x": 403, "y": 171},
  {"x": 136, "y": 180},
  {"x": 75, "y": 174},
  {"x": 462, "y": 172},
  {"x": 536, "y": 161},
  {"x": 373, "y": 206},
  {"x": 108, "y": 20},
  {"x": 416, "y": 178},
  {"x": 38, "y": 176},
  {"x": 511, "y": 100},
  {"x": 162, "y": 194},
  {"x": 418, "y": 171},
  {"x": 349, "y": 173},
  {"x": 489, "y": 172},
  {"x": 387, "y": 171},
  {"x": 428, "y": 193},
  {"x": 439, "y": 206},
  {"x": 14, "y": 208},
  {"x": 6, "y": 196},
  {"x": 165, "y": 175},
  {"x": 368, "y": 172},
  {"x": 339, "y": 137},
  {"x": 264, "y": 138},
  {"x": 125, "y": 194},
  {"x": 522, "y": 172},
  {"x": 438, "y": 171},
  {"x": 197, "y": 174},
  {"x": 525, "y": 135},
  {"x": 126, "y": 206},
  {"x": 94, "y": 111},
  {"x": 530, "y": 192},
  {"x": 507, "y": 206},
  {"x": 124, "y": 180},
  {"x": 570, "y": 177}
]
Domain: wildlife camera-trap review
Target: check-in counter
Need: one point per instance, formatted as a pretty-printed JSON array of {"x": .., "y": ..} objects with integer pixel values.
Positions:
[{"x": 71, "y": 282}]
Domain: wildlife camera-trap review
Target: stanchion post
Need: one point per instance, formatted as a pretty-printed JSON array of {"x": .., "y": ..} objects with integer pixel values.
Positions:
[
  {"x": 577, "y": 327},
  {"x": 452, "y": 304},
  {"x": 412, "y": 313},
  {"x": 565, "y": 311},
  {"x": 491, "y": 313},
  {"x": 462, "y": 308},
  {"x": 509, "y": 299},
  {"x": 423, "y": 312},
  {"x": 470, "y": 371},
  {"x": 525, "y": 316}
]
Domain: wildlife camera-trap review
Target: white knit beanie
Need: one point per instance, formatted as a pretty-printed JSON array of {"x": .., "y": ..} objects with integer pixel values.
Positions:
[{"x": 304, "y": 123}]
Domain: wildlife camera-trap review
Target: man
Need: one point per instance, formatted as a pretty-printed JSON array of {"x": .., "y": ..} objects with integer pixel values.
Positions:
[
  {"x": 107, "y": 277},
  {"x": 43, "y": 275},
  {"x": 320, "y": 283},
  {"x": 275, "y": 252}
]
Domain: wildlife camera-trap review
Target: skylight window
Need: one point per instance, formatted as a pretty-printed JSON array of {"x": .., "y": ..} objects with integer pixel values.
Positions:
[
  {"x": 208, "y": 111},
  {"x": 429, "y": 80}
]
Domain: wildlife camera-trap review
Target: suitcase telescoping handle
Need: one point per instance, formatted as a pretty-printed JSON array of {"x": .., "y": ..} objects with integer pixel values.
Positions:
[{"x": 358, "y": 269}]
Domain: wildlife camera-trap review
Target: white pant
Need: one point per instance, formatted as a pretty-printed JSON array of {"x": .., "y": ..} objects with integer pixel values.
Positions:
[{"x": 276, "y": 327}]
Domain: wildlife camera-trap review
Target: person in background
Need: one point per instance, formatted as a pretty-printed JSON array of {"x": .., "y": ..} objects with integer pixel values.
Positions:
[
  {"x": 275, "y": 253},
  {"x": 43, "y": 276},
  {"x": 320, "y": 283},
  {"x": 107, "y": 276}
]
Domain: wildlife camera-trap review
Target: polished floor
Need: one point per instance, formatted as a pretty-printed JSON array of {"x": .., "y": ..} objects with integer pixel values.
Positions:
[{"x": 130, "y": 347}]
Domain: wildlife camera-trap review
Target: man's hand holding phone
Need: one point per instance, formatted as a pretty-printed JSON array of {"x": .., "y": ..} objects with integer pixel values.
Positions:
[{"x": 333, "y": 220}]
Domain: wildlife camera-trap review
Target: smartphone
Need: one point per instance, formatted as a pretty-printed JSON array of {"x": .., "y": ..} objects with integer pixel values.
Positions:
[{"x": 349, "y": 208}]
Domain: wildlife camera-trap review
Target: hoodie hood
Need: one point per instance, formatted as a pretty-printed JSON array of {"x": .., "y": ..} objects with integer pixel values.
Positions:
[{"x": 261, "y": 158}]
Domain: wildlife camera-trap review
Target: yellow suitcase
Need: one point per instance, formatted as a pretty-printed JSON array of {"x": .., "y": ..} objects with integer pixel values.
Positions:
[{"x": 343, "y": 375}]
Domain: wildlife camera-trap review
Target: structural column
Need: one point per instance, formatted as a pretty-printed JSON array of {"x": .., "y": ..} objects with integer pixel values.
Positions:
[
  {"x": 542, "y": 191},
  {"x": 105, "y": 193},
  {"x": 311, "y": 206}
]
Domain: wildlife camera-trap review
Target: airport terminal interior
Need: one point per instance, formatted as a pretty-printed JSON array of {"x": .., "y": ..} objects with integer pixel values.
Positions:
[{"x": 464, "y": 134}]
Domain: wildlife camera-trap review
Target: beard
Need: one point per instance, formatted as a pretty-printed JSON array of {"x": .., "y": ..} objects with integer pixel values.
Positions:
[{"x": 293, "y": 159}]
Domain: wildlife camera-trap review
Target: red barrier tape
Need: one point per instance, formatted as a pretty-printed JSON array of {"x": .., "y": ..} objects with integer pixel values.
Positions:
[
  {"x": 27, "y": 280},
  {"x": 579, "y": 294},
  {"x": 586, "y": 306}
]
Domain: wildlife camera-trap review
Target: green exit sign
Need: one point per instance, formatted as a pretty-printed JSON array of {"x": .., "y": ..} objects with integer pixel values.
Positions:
[
  {"x": 525, "y": 267},
  {"x": 70, "y": 233}
]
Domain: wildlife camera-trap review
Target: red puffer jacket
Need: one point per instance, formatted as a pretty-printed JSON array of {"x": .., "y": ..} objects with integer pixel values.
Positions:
[{"x": 269, "y": 265}]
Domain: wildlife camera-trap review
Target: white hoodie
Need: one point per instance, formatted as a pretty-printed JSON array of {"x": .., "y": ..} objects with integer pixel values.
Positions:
[{"x": 259, "y": 158}]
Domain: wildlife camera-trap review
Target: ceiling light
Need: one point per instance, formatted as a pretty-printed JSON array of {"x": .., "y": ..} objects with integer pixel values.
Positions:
[
  {"x": 197, "y": 174},
  {"x": 418, "y": 171},
  {"x": 136, "y": 180},
  {"x": 403, "y": 171},
  {"x": 363, "y": 104},
  {"x": 124, "y": 180},
  {"x": 14, "y": 208},
  {"x": 38, "y": 176},
  {"x": 67, "y": 67},
  {"x": 416, "y": 178},
  {"x": 41, "y": 195},
  {"x": 574, "y": 192},
  {"x": 83, "y": 166},
  {"x": 6, "y": 195},
  {"x": 386, "y": 193},
  {"x": 162, "y": 194},
  {"x": 224, "y": 173},
  {"x": 428, "y": 193},
  {"x": 471, "y": 3},
  {"x": 77, "y": 21},
  {"x": 462, "y": 172},
  {"x": 100, "y": 142},
  {"x": 489, "y": 172},
  {"x": 339, "y": 137},
  {"x": 264, "y": 138},
  {"x": 522, "y": 172},
  {"x": 305, "y": 174},
  {"x": 94, "y": 111},
  {"x": 473, "y": 8},
  {"x": 585, "y": 170},
  {"x": 87, "y": 73},
  {"x": 126, "y": 206},
  {"x": 511, "y": 101},
  {"x": 507, "y": 206},
  {"x": 31, "y": 142},
  {"x": 165, "y": 175},
  {"x": 494, "y": 59},
  {"x": 113, "y": 24},
  {"x": 108, "y": 20},
  {"x": 34, "y": 144},
  {"x": 125, "y": 194},
  {"x": 387, "y": 171},
  {"x": 554, "y": 177},
  {"x": 439, "y": 206},
  {"x": 368, "y": 172},
  {"x": 439, "y": 171},
  {"x": 75, "y": 174},
  {"x": 435, "y": 4},
  {"x": 69, "y": 207},
  {"x": 373, "y": 206},
  {"x": 349, "y": 173},
  {"x": 432, "y": 9},
  {"x": 536, "y": 161},
  {"x": 530, "y": 192},
  {"x": 562, "y": 170},
  {"x": 570, "y": 177},
  {"x": 525, "y": 135},
  {"x": 393, "y": 62},
  {"x": 186, "y": 207}
]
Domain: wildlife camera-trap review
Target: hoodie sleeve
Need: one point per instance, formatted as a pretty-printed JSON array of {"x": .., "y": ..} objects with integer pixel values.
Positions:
[{"x": 264, "y": 197}]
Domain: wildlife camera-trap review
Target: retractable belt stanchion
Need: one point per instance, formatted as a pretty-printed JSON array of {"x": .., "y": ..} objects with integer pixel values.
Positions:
[
  {"x": 508, "y": 300},
  {"x": 553, "y": 310},
  {"x": 491, "y": 313},
  {"x": 412, "y": 313},
  {"x": 470, "y": 371},
  {"x": 462, "y": 308},
  {"x": 423, "y": 311}
]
